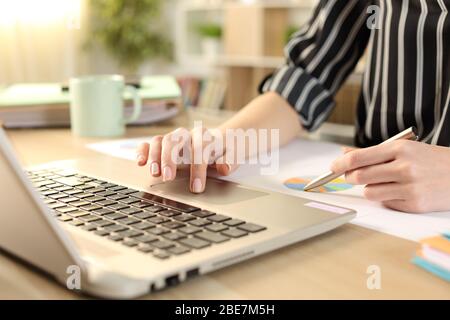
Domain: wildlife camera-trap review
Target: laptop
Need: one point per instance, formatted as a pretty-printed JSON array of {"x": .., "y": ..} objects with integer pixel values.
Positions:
[{"x": 127, "y": 236}]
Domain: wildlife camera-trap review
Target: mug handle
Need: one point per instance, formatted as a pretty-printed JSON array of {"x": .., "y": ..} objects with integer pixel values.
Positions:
[{"x": 137, "y": 104}]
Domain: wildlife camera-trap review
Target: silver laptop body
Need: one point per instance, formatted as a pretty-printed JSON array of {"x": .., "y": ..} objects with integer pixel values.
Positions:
[{"x": 29, "y": 230}]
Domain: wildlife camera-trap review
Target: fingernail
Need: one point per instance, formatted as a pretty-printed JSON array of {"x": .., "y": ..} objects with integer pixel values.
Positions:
[
  {"x": 140, "y": 158},
  {"x": 155, "y": 168},
  {"x": 167, "y": 174},
  {"x": 197, "y": 185},
  {"x": 228, "y": 167}
]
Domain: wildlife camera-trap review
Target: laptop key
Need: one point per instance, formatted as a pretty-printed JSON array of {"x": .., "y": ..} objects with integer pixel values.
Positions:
[
  {"x": 251, "y": 227},
  {"x": 173, "y": 225},
  {"x": 128, "y": 191},
  {"x": 216, "y": 227},
  {"x": 80, "y": 203},
  {"x": 130, "y": 243},
  {"x": 178, "y": 250},
  {"x": 89, "y": 218},
  {"x": 97, "y": 190},
  {"x": 174, "y": 236},
  {"x": 203, "y": 213},
  {"x": 117, "y": 197},
  {"x": 129, "y": 200},
  {"x": 169, "y": 213},
  {"x": 115, "y": 237},
  {"x": 106, "y": 203},
  {"x": 63, "y": 189},
  {"x": 65, "y": 218},
  {"x": 95, "y": 199},
  {"x": 54, "y": 185},
  {"x": 102, "y": 211},
  {"x": 234, "y": 233},
  {"x": 68, "y": 199},
  {"x": 101, "y": 233},
  {"x": 233, "y": 222},
  {"x": 200, "y": 222},
  {"x": 84, "y": 195},
  {"x": 128, "y": 221},
  {"x": 118, "y": 206},
  {"x": 155, "y": 209},
  {"x": 115, "y": 187},
  {"x": 211, "y": 236},
  {"x": 78, "y": 213},
  {"x": 166, "y": 202},
  {"x": 144, "y": 215},
  {"x": 73, "y": 191},
  {"x": 108, "y": 185},
  {"x": 130, "y": 211},
  {"x": 115, "y": 216},
  {"x": 49, "y": 192},
  {"x": 160, "y": 244},
  {"x": 103, "y": 223},
  {"x": 106, "y": 194},
  {"x": 56, "y": 205},
  {"x": 146, "y": 238},
  {"x": 218, "y": 218},
  {"x": 157, "y": 231},
  {"x": 91, "y": 207},
  {"x": 145, "y": 248},
  {"x": 158, "y": 220},
  {"x": 190, "y": 230},
  {"x": 183, "y": 217},
  {"x": 143, "y": 225},
  {"x": 57, "y": 196},
  {"x": 86, "y": 187},
  {"x": 89, "y": 227},
  {"x": 66, "y": 209},
  {"x": 194, "y": 243},
  {"x": 161, "y": 255},
  {"x": 76, "y": 222},
  {"x": 142, "y": 204},
  {"x": 130, "y": 233},
  {"x": 116, "y": 228}
]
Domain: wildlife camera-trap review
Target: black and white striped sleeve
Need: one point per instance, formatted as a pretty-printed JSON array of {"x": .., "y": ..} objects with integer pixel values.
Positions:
[{"x": 319, "y": 58}]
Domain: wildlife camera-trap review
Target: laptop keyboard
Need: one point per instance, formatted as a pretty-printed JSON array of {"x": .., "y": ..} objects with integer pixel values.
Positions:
[{"x": 143, "y": 221}]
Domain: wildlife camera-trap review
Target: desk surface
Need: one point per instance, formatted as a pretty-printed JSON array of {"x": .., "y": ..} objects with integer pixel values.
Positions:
[{"x": 330, "y": 266}]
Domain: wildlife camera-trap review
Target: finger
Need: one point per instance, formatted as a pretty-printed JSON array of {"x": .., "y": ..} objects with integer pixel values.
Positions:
[
  {"x": 348, "y": 149},
  {"x": 363, "y": 157},
  {"x": 155, "y": 156},
  {"x": 404, "y": 206},
  {"x": 142, "y": 154},
  {"x": 199, "y": 165},
  {"x": 172, "y": 144},
  {"x": 386, "y": 191},
  {"x": 378, "y": 173},
  {"x": 225, "y": 168}
]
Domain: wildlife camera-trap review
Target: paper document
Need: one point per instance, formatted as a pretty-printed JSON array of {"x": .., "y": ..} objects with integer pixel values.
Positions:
[{"x": 304, "y": 159}]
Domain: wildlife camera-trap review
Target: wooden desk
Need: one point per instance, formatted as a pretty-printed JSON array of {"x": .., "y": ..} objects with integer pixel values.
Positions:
[{"x": 331, "y": 266}]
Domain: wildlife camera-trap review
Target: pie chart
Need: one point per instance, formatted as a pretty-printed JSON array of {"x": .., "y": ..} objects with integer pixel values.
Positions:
[{"x": 299, "y": 184}]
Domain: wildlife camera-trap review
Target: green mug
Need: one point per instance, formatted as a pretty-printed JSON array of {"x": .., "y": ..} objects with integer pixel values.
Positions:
[{"x": 97, "y": 105}]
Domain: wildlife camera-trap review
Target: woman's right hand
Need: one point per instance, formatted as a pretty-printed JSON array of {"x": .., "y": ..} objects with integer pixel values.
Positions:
[{"x": 200, "y": 148}]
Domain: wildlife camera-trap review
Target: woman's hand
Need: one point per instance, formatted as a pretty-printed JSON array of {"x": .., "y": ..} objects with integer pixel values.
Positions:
[
  {"x": 199, "y": 148},
  {"x": 403, "y": 175}
]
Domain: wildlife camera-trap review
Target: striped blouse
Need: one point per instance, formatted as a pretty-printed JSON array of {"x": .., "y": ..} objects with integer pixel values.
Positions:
[{"x": 407, "y": 77}]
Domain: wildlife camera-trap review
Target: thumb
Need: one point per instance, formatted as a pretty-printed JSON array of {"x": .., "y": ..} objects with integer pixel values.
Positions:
[{"x": 224, "y": 168}]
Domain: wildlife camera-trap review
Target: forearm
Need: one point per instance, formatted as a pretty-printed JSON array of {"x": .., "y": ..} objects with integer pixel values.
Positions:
[{"x": 268, "y": 111}]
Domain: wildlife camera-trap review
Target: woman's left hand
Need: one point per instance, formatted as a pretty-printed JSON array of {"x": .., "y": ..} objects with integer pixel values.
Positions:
[{"x": 403, "y": 175}]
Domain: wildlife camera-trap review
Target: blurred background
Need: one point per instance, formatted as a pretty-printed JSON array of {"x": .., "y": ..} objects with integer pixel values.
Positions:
[{"x": 217, "y": 50}]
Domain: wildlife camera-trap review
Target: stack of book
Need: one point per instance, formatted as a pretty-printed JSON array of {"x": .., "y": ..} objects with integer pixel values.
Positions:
[
  {"x": 204, "y": 93},
  {"x": 434, "y": 255},
  {"x": 47, "y": 104}
]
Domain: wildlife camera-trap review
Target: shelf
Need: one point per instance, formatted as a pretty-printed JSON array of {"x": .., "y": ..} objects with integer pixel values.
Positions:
[{"x": 200, "y": 6}]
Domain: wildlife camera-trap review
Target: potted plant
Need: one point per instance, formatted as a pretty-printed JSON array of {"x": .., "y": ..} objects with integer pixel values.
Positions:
[
  {"x": 129, "y": 31},
  {"x": 211, "y": 34}
]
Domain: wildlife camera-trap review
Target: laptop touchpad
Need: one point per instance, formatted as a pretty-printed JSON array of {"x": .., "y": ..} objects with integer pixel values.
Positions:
[{"x": 217, "y": 192}]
